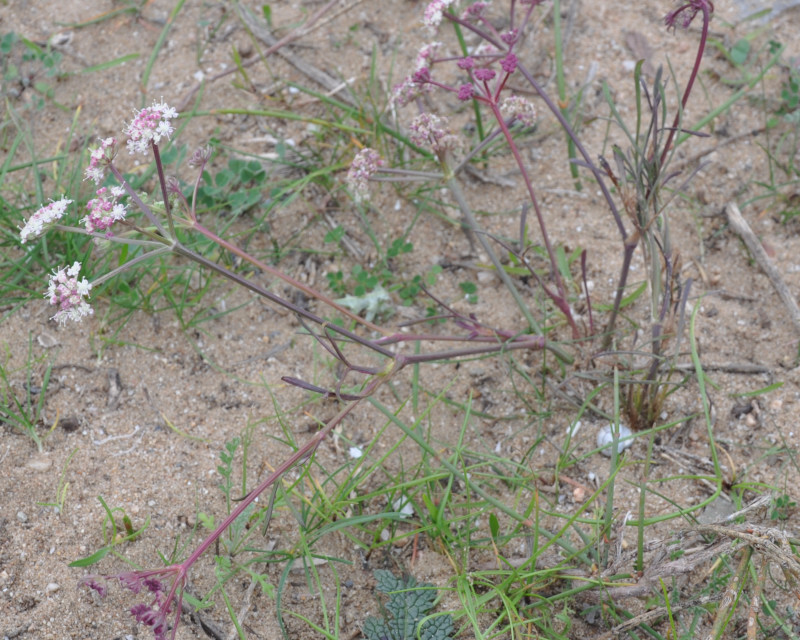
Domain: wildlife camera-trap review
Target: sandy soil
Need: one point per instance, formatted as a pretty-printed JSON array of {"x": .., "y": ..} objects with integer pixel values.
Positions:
[{"x": 144, "y": 406}]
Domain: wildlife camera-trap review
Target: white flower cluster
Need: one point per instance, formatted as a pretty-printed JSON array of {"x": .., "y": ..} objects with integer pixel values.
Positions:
[
  {"x": 364, "y": 165},
  {"x": 148, "y": 126},
  {"x": 430, "y": 129},
  {"x": 105, "y": 210},
  {"x": 519, "y": 108},
  {"x": 434, "y": 13},
  {"x": 67, "y": 293},
  {"x": 99, "y": 158},
  {"x": 43, "y": 219}
]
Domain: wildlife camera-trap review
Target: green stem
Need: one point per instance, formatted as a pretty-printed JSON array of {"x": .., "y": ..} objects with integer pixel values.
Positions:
[
  {"x": 561, "y": 85},
  {"x": 466, "y": 211}
]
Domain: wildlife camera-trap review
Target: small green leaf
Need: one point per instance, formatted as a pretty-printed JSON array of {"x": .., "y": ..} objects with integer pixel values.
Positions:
[
  {"x": 97, "y": 556},
  {"x": 335, "y": 234},
  {"x": 206, "y": 520},
  {"x": 758, "y": 392},
  {"x": 266, "y": 11},
  {"x": 740, "y": 51},
  {"x": 494, "y": 527}
]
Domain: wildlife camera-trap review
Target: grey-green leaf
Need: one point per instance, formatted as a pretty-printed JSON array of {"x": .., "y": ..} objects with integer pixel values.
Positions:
[
  {"x": 376, "y": 629},
  {"x": 439, "y": 628}
]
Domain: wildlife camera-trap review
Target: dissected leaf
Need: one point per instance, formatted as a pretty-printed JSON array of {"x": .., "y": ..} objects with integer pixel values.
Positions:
[
  {"x": 438, "y": 628},
  {"x": 409, "y": 602},
  {"x": 376, "y": 629}
]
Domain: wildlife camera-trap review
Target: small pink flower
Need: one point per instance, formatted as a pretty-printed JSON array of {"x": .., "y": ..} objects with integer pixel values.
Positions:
[
  {"x": 509, "y": 63},
  {"x": 486, "y": 48},
  {"x": 43, "y": 219},
  {"x": 408, "y": 90},
  {"x": 99, "y": 158},
  {"x": 434, "y": 13},
  {"x": 67, "y": 293},
  {"x": 148, "y": 126},
  {"x": 485, "y": 74},
  {"x": 465, "y": 92},
  {"x": 428, "y": 128},
  {"x": 426, "y": 53},
  {"x": 200, "y": 157},
  {"x": 475, "y": 11},
  {"x": 683, "y": 15},
  {"x": 105, "y": 210},
  {"x": 152, "y": 617},
  {"x": 519, "y": 108},
  {"x": 510, "y": 37},
  {"x": 365, "y": 164},
  {"x": 466, "y": 63},
  {"x": 93, "y": 583},
  {"x": 421, "y": 76}
]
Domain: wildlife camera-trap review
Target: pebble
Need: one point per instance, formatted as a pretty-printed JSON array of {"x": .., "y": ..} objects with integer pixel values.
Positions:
[
  {"x": 605, "y": 438},
  {"x": 40, "y": 464},
  {"x": 22, "y": 516},
  {"x": 52, "y": 587}
]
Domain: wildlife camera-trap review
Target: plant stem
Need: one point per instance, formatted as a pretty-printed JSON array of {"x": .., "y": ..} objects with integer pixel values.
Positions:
[
  {"x": 561, "y": 299},
  {"x": 162, "y": 180},
  {"x": 466, "y": 211},
  {"x": 563, "y": 103},
  {"x": 695, "y": 69},
  {"x": 311, "y": 293}
]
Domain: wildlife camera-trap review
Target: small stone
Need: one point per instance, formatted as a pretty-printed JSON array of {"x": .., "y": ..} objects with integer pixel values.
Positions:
[
  {"x": 47, "y": 340},
  {"x": 579, "y": 494},
  {"x": 40, "y": 464},
  {"x": 605, "y": 437},
  {"x": 52, "y": 587},
  {"x": 22, "y": 516}
]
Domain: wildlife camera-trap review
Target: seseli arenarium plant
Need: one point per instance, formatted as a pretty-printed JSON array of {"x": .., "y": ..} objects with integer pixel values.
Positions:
[
  {"x": 368, "y": 353},
  {"x": 109, "y": 220}
]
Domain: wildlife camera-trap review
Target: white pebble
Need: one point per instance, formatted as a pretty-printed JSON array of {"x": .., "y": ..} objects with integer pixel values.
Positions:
[
  {"x": 355, "y": 452},
  {"x": 605, "y": 437}
]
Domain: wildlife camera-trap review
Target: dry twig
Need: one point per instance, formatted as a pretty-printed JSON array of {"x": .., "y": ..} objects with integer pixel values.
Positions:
[{"x": 740, "y": 226}]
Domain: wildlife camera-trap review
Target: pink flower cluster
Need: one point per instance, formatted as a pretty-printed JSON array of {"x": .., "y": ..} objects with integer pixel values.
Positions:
[
  {"x": 100, "y": 157},
  {"x": 426, "y": 53},
  {"x": 105, "y": 210},
  {"x": 148, "y": 127},
  {"x": 365, "y": 164},
  {"x": 67, "y": 293},
  {"x": 685, "y": 14},
  {"x": 43, "y": 219},
  {"x": 433, "y": 130},
  {"x": 153, "y": 615},
  {"x": 475, "y": 11}
]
